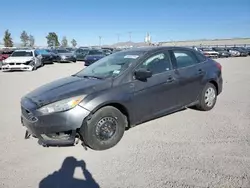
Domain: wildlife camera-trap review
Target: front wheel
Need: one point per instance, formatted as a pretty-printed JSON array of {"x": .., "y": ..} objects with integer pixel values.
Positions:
[
  {"x": 105, "y": 128},
  {"x": 207, "y": 98}
]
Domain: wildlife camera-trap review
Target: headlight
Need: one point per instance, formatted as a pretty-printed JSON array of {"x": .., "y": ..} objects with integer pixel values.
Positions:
[
  {"x": 63, "y": 56},
  {"x": 61, "y": 105},
  {"x": 74, "y": 55}
]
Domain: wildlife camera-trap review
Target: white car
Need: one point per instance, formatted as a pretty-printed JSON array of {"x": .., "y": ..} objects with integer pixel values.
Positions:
[
  {"x": 210, "y": 53},
  {"x": 23, "y": 60},
  {"x": 234, "y": 53}
]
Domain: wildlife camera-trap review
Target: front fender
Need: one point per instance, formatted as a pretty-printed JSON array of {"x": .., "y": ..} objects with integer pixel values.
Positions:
[{"x": 100, "y": 99}]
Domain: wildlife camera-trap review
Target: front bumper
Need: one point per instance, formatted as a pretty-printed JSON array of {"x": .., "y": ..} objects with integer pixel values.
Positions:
[
  {"x": 17, "y": 67},
  {"x": 224, "y": 55},
  {"x": 67, "y": 59},
  {"x": 211, "y": 55},
  {"x": 56, "y": 129}
]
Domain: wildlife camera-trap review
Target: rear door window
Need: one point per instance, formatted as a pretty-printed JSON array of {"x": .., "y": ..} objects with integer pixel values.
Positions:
[
  {"x": 200, "y": 57},
  {"x": 185, "y": 58}
]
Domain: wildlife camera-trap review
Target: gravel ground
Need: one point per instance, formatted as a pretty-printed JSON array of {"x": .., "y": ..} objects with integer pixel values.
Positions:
[{"x": 185, "y": 149}]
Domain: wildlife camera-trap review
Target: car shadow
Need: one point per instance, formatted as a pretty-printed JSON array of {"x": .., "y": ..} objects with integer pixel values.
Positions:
[{"x": 63, "y": 178}]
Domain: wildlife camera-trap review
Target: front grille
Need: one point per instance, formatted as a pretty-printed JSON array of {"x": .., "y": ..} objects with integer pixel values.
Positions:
[{"x": 28, "y": 115}]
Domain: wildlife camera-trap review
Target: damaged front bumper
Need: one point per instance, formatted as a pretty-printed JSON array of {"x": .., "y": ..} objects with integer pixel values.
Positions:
[
  {"x": 20, "y": 66},
  {"x": 56, "y": 129}
]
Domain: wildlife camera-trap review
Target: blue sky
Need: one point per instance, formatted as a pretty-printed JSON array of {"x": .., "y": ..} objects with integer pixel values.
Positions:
[{"x": 164, "y": 19}]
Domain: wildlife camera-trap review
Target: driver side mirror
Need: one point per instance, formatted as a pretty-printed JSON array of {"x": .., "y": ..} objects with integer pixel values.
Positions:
[{"x": 143, "y": 74}]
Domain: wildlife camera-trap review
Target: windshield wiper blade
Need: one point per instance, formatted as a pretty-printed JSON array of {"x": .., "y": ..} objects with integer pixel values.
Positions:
[{"x": 91, "y": 76}]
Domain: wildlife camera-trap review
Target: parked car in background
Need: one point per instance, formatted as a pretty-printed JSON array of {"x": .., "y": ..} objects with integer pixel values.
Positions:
[
  {"x": 222, "y": 52},
  {"x": 233, "y": 52},
  {"x": 93, "y": 56},
  {"x": 55, "y": 56},
  {"x": 106, "y": 51},
  {"x": 209, "y": 52},
  {"x": 64, "y": 55},
  {"x": 81, "y": 53},
  {"x": 47, "y": 58},
  {"x": 117, "y": 50},
  {"x": 248, "y": 49},
  {"x": 71, "y": 49},
  {"x": 5, "y": 54},
  {"x": 23, "y": 60},
  {"x": 120, "y": 91},
  {"x": 243, "y": 52}
]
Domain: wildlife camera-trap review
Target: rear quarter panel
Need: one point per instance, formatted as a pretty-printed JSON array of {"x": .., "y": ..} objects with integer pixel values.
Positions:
[{"x": 213, "y": 73}]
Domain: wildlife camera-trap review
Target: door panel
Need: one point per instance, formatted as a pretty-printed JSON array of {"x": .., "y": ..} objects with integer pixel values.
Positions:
[
  {"x": 157, "y": 94},
  {"x": 189, "y": 72}
]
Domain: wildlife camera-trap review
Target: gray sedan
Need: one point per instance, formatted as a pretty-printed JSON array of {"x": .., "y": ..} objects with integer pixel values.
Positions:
[{"x": 65, "y": 55}]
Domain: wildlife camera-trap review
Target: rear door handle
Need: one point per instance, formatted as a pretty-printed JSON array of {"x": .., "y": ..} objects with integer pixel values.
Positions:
[
  {"x": 200, "y": 71},
  {"x": 170, "y": 79}
]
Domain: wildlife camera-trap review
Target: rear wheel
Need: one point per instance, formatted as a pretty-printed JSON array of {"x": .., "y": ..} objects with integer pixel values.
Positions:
[
  {"x": 208, "y": 98},
  {"x": 105, "y": 128}
]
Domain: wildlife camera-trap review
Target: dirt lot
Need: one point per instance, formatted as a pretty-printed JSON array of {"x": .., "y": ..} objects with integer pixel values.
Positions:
[{"x": 186, "y": 149}]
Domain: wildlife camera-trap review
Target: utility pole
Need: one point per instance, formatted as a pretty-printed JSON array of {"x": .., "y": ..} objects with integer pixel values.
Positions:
[
  {"x": 130, "y": 36},
  {"x": 100, "y": 41},
  {"x": 118, "y": 37}
]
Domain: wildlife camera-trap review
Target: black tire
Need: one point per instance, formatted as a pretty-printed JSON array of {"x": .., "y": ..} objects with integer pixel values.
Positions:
[
  {"x": 203, "y": 105},
  {"x": 91, "y": 129},
  {"x": 34, "y": 68}
]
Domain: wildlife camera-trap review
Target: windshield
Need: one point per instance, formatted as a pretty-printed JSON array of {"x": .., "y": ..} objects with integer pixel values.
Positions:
[
  {"x": 112, "y": 65},
  {"x": 95, "y": 52},
  {"x": 22, "y": 53},
  {"x": 63, "y": 51},
  {"x": 43, "y": 52}
]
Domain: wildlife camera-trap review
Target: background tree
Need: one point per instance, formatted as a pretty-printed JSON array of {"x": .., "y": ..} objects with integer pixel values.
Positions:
[
  {"x": 7, "y": 39},
  {"x": 73, "y": 42},
  {"x": 24, "y": 38},
  {"x": 31, "y": 41},
  {"x": 52, "y": 39},
  {"x": 64, "y": 42}
]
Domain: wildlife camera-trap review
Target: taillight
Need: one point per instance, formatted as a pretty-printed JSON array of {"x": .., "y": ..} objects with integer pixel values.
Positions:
[{"x": 218, "y": 65}]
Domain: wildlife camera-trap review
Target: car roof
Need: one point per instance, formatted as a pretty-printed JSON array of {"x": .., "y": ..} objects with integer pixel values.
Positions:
[
  {"x": 24, "y": 50},
  {"x": 156, "y": 48}
]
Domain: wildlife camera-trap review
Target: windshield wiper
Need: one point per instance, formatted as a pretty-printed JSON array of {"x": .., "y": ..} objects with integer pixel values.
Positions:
[{"x": 89, "y": 76}]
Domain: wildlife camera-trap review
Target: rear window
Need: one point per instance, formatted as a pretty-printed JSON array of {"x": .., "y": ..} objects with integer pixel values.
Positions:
[{"x": 200, "y": 56}]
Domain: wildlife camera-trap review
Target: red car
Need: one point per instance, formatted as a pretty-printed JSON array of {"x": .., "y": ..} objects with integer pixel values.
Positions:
[{"x": 5, "y": 54}]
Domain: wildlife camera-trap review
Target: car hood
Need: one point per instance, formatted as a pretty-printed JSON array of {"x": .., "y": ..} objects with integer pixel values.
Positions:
[
  {"x": 18, "y": 59},
  {"x": 65, "y": 88},
  {"x": 65, "y": 54}
]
